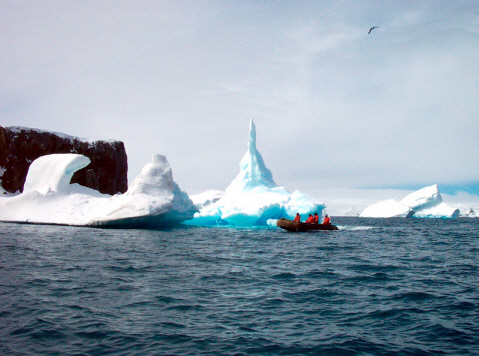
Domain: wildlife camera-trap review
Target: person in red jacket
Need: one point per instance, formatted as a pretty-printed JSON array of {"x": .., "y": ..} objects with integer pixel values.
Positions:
[
  {"x": 316, "y": 218},
  {"x": 327, "y": 220},
  {"x": 297, "y": 218},
  {"x": 310, "y": 219}
]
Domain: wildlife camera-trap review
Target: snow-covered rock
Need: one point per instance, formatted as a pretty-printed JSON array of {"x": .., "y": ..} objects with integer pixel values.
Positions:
[
  {"x": 424, "y": 203},
  {"x": 153, "y": 200},
  {"x": 253, "y": 198},
  {"x": 469, "y": 213}
]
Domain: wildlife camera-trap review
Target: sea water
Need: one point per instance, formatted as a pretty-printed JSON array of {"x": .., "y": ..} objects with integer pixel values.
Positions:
[{"x": 375, "y": 287}]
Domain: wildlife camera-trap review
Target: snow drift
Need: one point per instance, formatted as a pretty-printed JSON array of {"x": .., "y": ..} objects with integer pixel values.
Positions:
[
  {"x": 153, "y": 199},
  {"x": 252, "y": 198}
]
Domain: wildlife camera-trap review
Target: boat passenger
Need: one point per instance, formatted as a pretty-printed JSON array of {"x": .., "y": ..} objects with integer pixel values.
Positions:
[
  {"x": 327, "y": 220},
  {"x": 297, "y": 218},
  {"x": 316, "y": 218},
  {"x": 310, "y": 219}
]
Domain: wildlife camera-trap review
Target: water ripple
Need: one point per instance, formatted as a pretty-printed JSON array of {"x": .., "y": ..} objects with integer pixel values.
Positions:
[{"x": 376, "y": 287}]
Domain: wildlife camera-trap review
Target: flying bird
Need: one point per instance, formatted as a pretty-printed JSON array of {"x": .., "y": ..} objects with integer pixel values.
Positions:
[{"x": 372, "y": 28}]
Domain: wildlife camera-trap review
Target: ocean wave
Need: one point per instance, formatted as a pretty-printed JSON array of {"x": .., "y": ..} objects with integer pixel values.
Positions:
[
  {"x": 385, "y": 289},
  {"x": 355, "y": 228}
]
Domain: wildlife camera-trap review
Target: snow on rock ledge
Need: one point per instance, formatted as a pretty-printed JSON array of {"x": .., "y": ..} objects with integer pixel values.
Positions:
[
  {"x": 424, "y": 203},
  {"x": 253, "y": 197},
  {"x": 153, "y": 200}
]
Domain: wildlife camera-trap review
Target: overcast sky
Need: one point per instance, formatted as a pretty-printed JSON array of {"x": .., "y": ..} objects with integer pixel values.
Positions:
[{"x": 334, "y": 106}]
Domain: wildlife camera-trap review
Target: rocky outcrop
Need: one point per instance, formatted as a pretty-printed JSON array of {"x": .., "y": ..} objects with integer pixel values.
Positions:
[{"x": 19, "y": 147}]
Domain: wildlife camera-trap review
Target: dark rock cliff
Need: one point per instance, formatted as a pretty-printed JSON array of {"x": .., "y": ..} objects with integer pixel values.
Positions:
[{"x": 19, "y": 147}]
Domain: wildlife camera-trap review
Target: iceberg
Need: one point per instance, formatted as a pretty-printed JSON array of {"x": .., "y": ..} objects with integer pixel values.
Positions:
[
  {"x": 206, "y": 198},
  {"x": 153, "y": 199},
  {"x": 53, "y": 173},
  {"x": 424, "y": 203},
  {"x": 253, "y": 197},
  {"x": 387, "y": 209}
]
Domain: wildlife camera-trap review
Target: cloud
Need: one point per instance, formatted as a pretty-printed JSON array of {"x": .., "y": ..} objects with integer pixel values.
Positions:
[{"x": 333, "y": 106}]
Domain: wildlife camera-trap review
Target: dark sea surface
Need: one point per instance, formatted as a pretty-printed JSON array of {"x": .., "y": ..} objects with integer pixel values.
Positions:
[{"x": 376, "y": 287}]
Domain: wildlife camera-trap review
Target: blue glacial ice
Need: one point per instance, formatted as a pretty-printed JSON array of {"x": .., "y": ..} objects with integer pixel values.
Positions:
[{"x": 253, "y": 197}]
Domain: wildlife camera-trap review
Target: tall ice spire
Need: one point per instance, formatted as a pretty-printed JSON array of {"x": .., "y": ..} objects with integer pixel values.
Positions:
[
  {"x": 253, "y": 172},
  {"x": 252, "y": 136}
]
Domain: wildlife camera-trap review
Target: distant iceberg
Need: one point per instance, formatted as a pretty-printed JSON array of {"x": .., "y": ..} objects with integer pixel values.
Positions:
[
  {"x": 387, "y": 209},
  {"x": 152, "y": 200},
  {"x": 252, "y": 198},
  {"x": 424, "y": 203}
]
